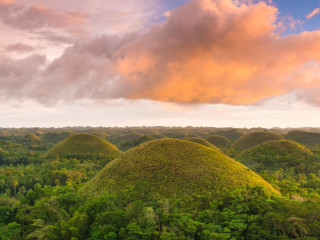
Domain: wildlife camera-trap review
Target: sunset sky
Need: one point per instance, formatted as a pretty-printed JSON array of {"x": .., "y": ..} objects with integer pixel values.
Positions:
[{"x": 220, "y": 63}]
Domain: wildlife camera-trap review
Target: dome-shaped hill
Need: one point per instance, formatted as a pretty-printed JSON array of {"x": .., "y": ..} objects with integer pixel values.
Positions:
[
  {"x": 273, "y": 155},
  {"x": 30, "y": 137},
  {"x": 55, "y": 137},
  {"x": 219, "y": 141},
  {"x": 232, "y": 134},
  {"x": 130, "y": 136},
  {"x": 157, "y": 136},
  {"x": 179, "y": 133},
  {"x": 2, "y": 151},
  {"x": 172, "y": 166},
  {"x": 83, "y": 144},
  {"x": 202, "y": 142},
  {"x": 307, "y": 138},
  {"x": 253, "y": 139}
]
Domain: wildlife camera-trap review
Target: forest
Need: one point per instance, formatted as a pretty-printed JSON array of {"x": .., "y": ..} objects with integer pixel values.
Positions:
[{"x": 159, "y": 183}]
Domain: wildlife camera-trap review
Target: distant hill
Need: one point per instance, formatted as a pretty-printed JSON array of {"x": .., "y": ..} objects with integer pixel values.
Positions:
[
  {"x": 273, "y": 155},
  {"x": 129, "y": 136},
  {"x": 308, "y": 138},
  {"x": 202, "y": 142},
  {"x": 157, "y": 136},
  {"x": 2, "y": 151},
  {"x": 179, "y": 133},
  {"x": 219, "y": 141},
  {"x": 55, "y": 137},
  {"x": 30, "y": 137},
  {"x": 232, "y": 134},
  {"x": 172, "y": 167},
  {"x": 253, "y": 139},
  {"x": 82, "y": 144}
]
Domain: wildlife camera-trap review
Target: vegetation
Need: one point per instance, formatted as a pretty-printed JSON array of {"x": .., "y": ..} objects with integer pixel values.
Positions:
[
  {"x": 83, "y": 144},
  {"x": 202, "y": 142},
  {"x": 174, "y": 167},
  {"x": 307, "y": 138},
  {"x": 277, "y": 154},
  {"x": 219, "y": 141},
  {"x": 161, "y": 189},
  {"x": 253, "y": 139}
]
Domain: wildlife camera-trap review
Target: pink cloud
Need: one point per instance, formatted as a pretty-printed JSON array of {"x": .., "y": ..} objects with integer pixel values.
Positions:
[
  {"x": 37, "y": 19},
  {"x": 19, "y": 47},
  {"x": 221, "y": 53},
  {"x": 17, "y": 77},
  {"x": 313, "y": 13}
]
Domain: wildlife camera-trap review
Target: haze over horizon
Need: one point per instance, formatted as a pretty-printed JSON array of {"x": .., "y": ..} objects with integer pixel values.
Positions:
[{"x": 229, "y": 63}]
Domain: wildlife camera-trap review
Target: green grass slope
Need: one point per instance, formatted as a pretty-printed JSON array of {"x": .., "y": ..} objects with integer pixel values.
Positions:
[
  {"x": 307, "y": 138},
  {"x": 172, "y": 166},
  {"x": 202, "y": 142},
  {"x": 82, "y": 144},
  {"x": 273, "y": 155},
  {"x": 253, "y": 139},
  {"x": 219, "y": 141}
]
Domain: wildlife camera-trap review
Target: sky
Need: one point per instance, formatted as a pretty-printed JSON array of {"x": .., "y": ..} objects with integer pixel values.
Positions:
[{"x": 218, "y": 63}]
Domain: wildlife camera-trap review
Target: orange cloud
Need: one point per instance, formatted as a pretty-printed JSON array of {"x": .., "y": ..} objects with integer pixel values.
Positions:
[{"x": 313, "y": 13}]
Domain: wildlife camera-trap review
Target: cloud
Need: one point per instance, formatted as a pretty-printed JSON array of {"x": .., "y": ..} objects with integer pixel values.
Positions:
[
  {"x": 221, "y": 53},
  {"x": 37, "y": 19},
  {"x": 19, "y": 47},
  {"x": 17, "y": 77},
  {"x": 313, "y": 13}
]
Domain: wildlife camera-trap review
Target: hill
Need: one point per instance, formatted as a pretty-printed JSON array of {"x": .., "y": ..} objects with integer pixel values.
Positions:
[
  {"x": 179, "y": 133},
  {"x": 253, "y": 139},
  {"x": 30, "y": 137},
  {"x": 202, "y": 142},
  {"x": 232, "y": 134},
  {"x": 172, "y": 166},
  {"x": 308, "y": 138},
  {"x": 2, "y": 151},
  {"x": 129, "y": 136},
  {"x": 55, "y": 137},
  {"x": 277, "y": 154},
  {"x": 219, "y": 141},
  {"x": 83, "y": 144}
]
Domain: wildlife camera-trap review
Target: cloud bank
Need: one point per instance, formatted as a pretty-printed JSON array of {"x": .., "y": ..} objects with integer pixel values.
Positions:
[{"x": 222, "y": 51}]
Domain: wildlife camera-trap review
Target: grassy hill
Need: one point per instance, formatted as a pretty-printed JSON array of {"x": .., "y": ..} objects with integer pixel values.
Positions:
[
  {"x": 277, "y": 154},
  {"x": 253, "y": 139},
  {"x": 129, "y": 136},
  {"x": 55, "y": 137},
  {"x": 157, "y": 136},
  {"x": 202, "y": 142},
  {"x": 219, "y": 141},
  {"x": 30, "y": 137},
  {"x": 2, "y": 151},
  {"x": 179, "y": 133},
  {"x": 308, "y": 138},
  {"x": 172, "y": 166},
  {"x": 232, "y": 134},
  {"x": 82, "y": 144}
]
